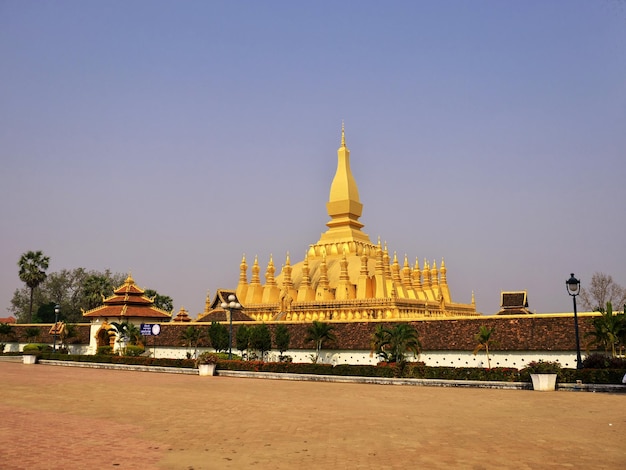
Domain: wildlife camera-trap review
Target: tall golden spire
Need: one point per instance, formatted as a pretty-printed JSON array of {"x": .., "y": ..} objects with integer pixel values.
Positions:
[
  {"x": 344, "y": 205},
  {"x": 343, "y": 135}
]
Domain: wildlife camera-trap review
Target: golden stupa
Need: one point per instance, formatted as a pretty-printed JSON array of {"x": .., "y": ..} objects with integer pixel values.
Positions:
[{"x": 346, "y": 277}]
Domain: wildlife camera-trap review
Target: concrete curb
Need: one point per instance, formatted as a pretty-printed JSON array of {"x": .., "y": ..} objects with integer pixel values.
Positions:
[
  {"x": 100, "y": 365},
  {"x": 561, "y": 387},
  {"x": 11, "y": 359},
  {"x": 378, "y": 380}
]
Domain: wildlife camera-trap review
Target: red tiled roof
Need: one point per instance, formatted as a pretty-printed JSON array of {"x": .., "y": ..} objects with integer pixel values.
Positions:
[
  {"x": 128, "y": 301},
  {"x": 127, "y": 311},
  {"x": 129, "y": 287},
  {"x": 182, "y": 316}
]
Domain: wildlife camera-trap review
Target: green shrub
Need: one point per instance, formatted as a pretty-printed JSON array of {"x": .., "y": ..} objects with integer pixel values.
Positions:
[
  {"x": 415, "y": 370},
  {"x": 31, "y": 333},
  {"x": 37, "y": 347},
  {"x": 224, "y": 356},
  {"x": 603, "y": 361},
  {"x": 362, "y": 370},
  {"x": 104, "y": 350},
  {"x": 593, "y": 376},
  {"x": 133, "y": 351}
]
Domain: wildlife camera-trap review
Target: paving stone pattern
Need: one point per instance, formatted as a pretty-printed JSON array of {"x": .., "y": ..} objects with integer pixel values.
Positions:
[{"x": 72, "y": 418}]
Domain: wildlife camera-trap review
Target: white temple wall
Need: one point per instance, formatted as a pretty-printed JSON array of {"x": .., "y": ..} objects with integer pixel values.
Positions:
[{"x": 514, "y": 359}]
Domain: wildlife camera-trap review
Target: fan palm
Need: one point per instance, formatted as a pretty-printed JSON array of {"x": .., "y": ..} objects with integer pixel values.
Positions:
[
  {"x": 33, "y": 265},
  {"x": 134, "y": 334},
  {"x": 484, "y": 340},
  {"x": 393, "y": 344},
  {"x": 319, "y": 333},
  {"x": 608, "y": 329},
  {"x": 121, "y": 329},
  {"x": 190, "y": 337}
]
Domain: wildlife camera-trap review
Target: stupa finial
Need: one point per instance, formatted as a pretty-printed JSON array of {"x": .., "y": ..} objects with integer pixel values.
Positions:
[{"x": 343, "y": 134}]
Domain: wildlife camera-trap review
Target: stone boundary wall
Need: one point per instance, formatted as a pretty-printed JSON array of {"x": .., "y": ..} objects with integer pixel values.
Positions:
[{"x": 538, "y": 332}]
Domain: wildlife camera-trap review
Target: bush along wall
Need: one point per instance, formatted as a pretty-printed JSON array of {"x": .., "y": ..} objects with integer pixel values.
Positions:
[{"x": 416, "y": 370}]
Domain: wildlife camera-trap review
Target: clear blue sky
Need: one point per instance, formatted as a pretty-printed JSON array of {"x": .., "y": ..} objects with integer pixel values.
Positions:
[{"x": 169, "y": 138}]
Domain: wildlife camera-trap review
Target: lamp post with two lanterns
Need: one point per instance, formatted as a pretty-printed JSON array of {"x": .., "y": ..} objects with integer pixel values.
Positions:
[
  {"x": 231, "y": 305},
  {"x": 573, "y": 289},
  {"x": 57, "y": 310}
]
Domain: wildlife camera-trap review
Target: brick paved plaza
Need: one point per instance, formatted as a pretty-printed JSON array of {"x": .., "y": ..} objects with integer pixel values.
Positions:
[{"x": 72, "y": 418}]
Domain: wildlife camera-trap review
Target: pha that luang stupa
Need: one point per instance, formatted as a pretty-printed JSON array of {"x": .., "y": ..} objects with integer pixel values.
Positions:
[{"x": 346, "y": 277}]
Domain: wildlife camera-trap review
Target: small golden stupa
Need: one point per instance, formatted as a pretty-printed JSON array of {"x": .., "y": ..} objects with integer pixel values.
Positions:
[{"x": 346, "y": 277}]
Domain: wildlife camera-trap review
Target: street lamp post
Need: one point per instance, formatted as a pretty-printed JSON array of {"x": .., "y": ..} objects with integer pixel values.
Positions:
[
  {"x": 573, "y": 289},
  {"x": 231, "y": 305},
  {"x": 57, "y": 310}
]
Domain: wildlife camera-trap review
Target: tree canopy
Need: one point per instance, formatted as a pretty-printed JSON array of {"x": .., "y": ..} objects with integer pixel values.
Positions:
[
  {"x": 163, "y": 302},
  {"x": 260, "y": 339},
  {"x": 218, "y": 337},
  {"x": 602, "y": 289},
  {"x": 72, "y": 290}
]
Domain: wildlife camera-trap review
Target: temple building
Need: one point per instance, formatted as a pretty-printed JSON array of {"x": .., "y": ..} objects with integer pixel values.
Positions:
[
  {"x": 345, "y": 276},
  {"x": 128, "y": 303}
]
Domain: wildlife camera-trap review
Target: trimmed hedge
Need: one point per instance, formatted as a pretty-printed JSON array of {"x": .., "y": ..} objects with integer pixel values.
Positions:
[
  {"x": 592, "y": 376},
  {"x": 416, "y": 370},
  {"x": 36, "y": 347}
]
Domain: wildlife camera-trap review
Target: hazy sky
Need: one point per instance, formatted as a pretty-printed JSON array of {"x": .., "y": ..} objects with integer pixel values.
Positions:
[{"x": 169, "y": 138}]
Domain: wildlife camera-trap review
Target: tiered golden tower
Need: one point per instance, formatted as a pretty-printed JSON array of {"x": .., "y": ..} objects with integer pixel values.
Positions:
[{"x": 344, "y": 276}]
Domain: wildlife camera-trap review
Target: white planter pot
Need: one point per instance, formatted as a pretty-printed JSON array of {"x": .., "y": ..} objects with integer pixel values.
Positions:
[
  {"x": 206, "y": 369},
  {"x": 544, "y": 382},
  {"x": 29, "y": 359}
]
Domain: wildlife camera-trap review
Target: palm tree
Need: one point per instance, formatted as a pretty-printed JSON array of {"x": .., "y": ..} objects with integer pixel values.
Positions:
[
  {"x": 404, "y": 338},
  {"x": 379, "y": 342},
  {"x": 392, "y": 344},
  {"x": 609, "y": 329},
  {"x": 121, "y": 329},
  {"x": 484, "y": 339},
  {"x": 134, "y": 334},
  {"x": 319, "y": 333},
  {"x": 33, "y": 265},
  {"x": 190, "y": 337}
]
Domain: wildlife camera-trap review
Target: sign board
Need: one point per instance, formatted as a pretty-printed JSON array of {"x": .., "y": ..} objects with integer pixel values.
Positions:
[{"x": 150, "y": 329}]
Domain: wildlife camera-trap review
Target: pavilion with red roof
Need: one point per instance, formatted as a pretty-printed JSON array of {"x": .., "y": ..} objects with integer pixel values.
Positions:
[{"x": 128, "y": 303}]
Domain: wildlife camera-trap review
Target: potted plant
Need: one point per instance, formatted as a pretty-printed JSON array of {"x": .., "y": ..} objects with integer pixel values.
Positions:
[
  {"x": 30, "y": 353},
  {"x": 543, "y": 374},
  {"x": 206, "y": 363}
]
